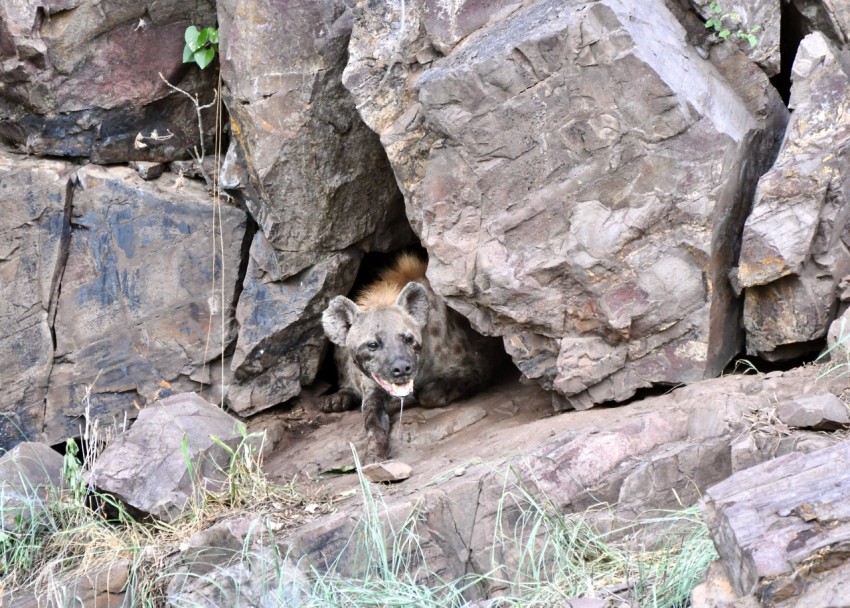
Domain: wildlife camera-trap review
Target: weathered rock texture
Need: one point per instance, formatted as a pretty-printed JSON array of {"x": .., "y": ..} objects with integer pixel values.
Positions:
[
  {"x": 744, "y": 16},
  {"x": 664, "y": 452},
  {"x": 137, "y": 305},
  {"x": 102, "y": 587},
  {"x": 34, "y": 235},
  {"x": 168, "y": 456},
  {"x": 30, "y": 477},
  {"x": 795, "y": 242},
  {"x": 824, "y": 412},
  {"x": 818, "y": 589},
  {"x": 578, "y": 174},
  {"x": 235, "y": 563},
  {"x": 313, "y": 176},
  {"x": 321, "y": 176},
  {"x": 281, "y": 342},
  {"x": 776, "y": 523},
  {"x": 830, "y": 18},
  {"x": 81, "y": 79}
]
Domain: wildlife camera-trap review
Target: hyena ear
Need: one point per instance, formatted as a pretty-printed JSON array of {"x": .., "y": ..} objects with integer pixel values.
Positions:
[
  {"x": 338, "y": 317},
  {"x": 413, "y": 300}
]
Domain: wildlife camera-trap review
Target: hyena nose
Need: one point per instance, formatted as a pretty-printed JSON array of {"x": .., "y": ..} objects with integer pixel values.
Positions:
[{"x": 401, "y": 368}]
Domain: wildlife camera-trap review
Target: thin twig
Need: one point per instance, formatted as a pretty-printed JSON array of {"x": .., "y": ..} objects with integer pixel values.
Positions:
[{"x": 196, "y": 152}]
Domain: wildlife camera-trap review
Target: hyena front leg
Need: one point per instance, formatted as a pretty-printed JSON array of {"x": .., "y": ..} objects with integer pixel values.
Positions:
[{"x": 377, "y": 423}]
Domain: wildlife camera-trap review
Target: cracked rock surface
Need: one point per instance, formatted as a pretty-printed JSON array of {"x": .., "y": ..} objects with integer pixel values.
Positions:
[
  {"x": 659, "y": 453},
  {"x": 578, "y": 174},
  {"x": 795, "y": 244},
  {"x": 78, "y": 79},
  {"x": 107, "y": 288}
]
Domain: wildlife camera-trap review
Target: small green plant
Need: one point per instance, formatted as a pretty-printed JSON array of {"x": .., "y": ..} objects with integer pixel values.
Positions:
[
  {"x": 201, "y": 45},
  {"x": 716, "y": 23}
]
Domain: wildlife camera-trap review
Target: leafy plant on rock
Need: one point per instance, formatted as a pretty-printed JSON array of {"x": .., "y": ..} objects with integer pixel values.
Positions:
[
  {"x": 201, "y": 45},
  {"x": 735, "y": 25}
]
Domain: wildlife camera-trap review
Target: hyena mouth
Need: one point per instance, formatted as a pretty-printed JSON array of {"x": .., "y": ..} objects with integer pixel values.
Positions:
[{"x": 396, "y": 390}]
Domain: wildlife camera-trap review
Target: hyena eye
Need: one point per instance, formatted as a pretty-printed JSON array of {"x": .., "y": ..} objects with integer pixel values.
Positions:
[
  {"x": 407, "y": 339},
  {"x": 373, "y": 345}
]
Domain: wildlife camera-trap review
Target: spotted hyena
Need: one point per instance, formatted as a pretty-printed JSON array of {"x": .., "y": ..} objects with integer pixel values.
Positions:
[{"x": 399, "y": 340}]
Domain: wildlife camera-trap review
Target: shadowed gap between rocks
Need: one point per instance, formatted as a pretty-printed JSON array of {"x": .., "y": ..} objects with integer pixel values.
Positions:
[
  {"x": 56, "y": 286},
  {"x": 741, "y": 364},
  {"x": 251, "y": 228},
  {"x": 792, "y": 31}
]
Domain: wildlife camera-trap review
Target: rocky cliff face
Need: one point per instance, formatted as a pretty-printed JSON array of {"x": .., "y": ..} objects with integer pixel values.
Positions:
[
  {"x": 795, "y": 242},
  {"x": 578, "y": 174},
  {"x": 583, "y": 176},
  {"x": 313, "y": 176},
  {"x": 81, "y": 79}
]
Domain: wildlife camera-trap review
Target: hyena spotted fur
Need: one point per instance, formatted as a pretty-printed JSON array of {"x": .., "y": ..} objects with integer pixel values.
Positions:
[{"x": 399, "y": 340}]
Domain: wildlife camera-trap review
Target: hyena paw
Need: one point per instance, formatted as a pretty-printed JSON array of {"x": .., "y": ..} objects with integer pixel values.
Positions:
[
  {"x": 434, "y": 394},
  {"x": 340, "y": 402}
]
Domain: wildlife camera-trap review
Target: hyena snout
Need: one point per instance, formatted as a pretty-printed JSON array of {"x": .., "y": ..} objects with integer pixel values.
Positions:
[{"x": 401, "y": 367}]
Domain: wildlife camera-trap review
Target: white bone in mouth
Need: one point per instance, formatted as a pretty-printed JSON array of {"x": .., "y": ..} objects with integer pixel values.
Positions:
[{"x": 396, "y": 390}]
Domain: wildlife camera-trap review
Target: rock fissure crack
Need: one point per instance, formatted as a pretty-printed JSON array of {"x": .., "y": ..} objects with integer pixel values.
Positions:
[
  {"x": 469, "y": 565},
  {"x": 56, "y": 283}
]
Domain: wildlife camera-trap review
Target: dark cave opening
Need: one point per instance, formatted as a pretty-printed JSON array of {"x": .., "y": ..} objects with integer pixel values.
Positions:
[
  {"x": 781, "y": 359},
  {"x": 371, "y": 267}
]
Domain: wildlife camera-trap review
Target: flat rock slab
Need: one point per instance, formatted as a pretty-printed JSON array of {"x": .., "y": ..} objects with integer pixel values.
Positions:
[
  {"x": 136, "y": 306},
  {"x": 34, "y": 236},
  {"x": 824, "y": 412},
  {"x": 167, "y": 455},
  {"x": 661, "y": 452},
  {"x": 387, "y": 471},
  {"x": 775, "y": 520}
]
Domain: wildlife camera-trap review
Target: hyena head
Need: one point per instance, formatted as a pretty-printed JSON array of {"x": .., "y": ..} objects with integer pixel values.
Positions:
[{"x": 385, "y": 341}]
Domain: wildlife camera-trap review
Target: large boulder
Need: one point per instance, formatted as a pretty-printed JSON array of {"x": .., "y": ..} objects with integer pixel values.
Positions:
[
  {"x": 34, "y": 238},
  {"x": 578, "y": 174},
  {"x": 795, "y": 243},
  {"x": 317, "y": 180},
  {"x": 78, "y": 79},
  {"x": 281, "y": 342},
  {"x": 141, "y": 294},
  {"x": 175, "y": 451},
  {"x": 313, "y": 176}
]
